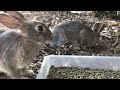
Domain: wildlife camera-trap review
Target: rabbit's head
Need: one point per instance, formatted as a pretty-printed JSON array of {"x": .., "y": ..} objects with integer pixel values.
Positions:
[
  {"x": 97, "y": 28},
  {"x": 36, "y": 30}
]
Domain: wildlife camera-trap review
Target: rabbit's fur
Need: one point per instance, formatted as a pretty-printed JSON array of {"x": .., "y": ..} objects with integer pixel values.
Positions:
[
  {"x": 20, "y": 44},
  {"x": 1, "y": 31},
  {"x": 81, "y": 35}
]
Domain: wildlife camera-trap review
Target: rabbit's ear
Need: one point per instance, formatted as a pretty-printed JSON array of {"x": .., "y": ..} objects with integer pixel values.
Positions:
[
  {"x": 15, "y": 14},
  {"x": 36, "y": 18},
  {"x": 10, "y": 22},
  {"x": 102, "y": 26},
  {"x": 96, "y": 27}
]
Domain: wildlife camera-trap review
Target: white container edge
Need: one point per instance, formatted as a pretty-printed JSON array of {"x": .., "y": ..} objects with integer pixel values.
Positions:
[{"x": 104, "y": 62}]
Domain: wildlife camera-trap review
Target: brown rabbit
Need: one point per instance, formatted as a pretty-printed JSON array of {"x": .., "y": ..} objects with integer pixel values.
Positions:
[
  {"x": 20, "y": 44},
  {"x": 77, "y": 33}
]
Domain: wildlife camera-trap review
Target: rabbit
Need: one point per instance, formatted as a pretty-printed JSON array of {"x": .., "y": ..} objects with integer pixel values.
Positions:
[
  {"x": 76, "y": 32},
  {"x": 20, "y": 44}
]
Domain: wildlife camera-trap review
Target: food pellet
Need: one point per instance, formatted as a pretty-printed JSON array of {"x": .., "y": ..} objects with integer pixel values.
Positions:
[{"x": 81, "y": 73}]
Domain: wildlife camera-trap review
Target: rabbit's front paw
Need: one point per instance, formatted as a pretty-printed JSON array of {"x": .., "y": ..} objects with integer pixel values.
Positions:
[
  {"x": 24, "y": 77},
  {"x": 30, "y": 72},
  {"x": 27, "y": 72}
]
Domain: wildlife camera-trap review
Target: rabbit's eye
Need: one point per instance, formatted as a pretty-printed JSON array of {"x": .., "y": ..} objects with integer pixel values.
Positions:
[{"x": 40, "y": 28}]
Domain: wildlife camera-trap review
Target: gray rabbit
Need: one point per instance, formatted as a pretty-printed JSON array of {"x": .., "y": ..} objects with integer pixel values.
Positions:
[
  {"x": 76, "y": 32},
  {"x": 20, "y": 44}
]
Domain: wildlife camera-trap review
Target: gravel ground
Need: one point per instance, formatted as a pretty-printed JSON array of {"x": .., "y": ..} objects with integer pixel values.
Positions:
[{"x": 51, "y": 18}]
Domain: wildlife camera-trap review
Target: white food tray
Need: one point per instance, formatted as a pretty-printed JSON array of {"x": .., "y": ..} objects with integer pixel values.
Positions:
[{"x": 100, "y": 62}]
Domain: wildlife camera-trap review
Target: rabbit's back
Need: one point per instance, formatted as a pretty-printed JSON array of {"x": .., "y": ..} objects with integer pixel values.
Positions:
[
  {"x": 68, "y": 31},
  {"x": 71, "y": 28},
  {"x": 14, "y": 49},
  {"x": 7, "y": 40},
  {"x": 8, "y": 50}
]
